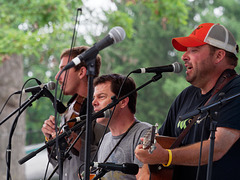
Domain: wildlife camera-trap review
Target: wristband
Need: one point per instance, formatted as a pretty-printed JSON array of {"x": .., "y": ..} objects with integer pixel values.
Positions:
[
  {"x": 169, "y": 158},
  {"x": 46, "y": 139}
]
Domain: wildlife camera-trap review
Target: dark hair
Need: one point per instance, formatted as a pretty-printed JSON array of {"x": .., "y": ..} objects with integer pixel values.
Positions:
[
  {"x": 116, "y": 82},
  {"x": 78, "y": 50},
  {"x": 231, "y": 57}
]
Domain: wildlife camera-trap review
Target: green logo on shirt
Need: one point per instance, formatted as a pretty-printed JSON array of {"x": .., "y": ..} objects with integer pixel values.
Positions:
[{"x": 183, "y": 124}]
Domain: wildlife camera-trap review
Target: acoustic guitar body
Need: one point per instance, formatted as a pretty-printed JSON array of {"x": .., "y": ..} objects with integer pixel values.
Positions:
[{"x": 158, "y": 172}]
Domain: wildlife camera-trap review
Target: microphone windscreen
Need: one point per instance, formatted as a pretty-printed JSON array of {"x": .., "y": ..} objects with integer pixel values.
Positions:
[
  {"x": 51, "y": 85},
  {"x": 177, "y": 67},
  {"x": 130, "y": 168},
  {"x": 117, "y": 33}
]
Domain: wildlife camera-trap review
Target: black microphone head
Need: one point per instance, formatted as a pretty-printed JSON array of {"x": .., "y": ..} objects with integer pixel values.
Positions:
[
  {"x": 60, "y": 107},
  {"x": 117, "y": 33},
  {"x": 39, "y": 82},
  {"x": 130, "y": 168},
  {"x": 51, "y": 85},
  {"x": 177, "y": 67}
]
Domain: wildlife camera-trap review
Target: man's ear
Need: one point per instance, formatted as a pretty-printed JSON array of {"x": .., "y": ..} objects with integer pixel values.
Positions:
[
  {"x": 219, "y": 54},
  {"x": 124, "y": 102},
  {"x": 82, "y": 72}
]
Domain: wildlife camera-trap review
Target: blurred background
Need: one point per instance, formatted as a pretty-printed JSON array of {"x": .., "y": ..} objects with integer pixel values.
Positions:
[{"x": 34, "y": 33}]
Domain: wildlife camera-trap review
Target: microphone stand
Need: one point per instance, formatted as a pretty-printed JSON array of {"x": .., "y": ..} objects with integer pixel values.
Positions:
[
  {"x": 20, "y": 110},
  {"x": 24, "y": 106},
  {"x": 91, "y": 74},
  {"x": 66, "y": 155},
  {"x": 213, "y": 128},
  {"x": 42, "y": 93},
  {"x": 62, "y": 145},
  {"x": 211, "y": 109}
]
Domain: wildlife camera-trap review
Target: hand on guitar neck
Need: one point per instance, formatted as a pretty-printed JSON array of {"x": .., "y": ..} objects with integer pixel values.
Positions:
[
  {"x": 149, "y": 140},
  {"x": 152, "y": 158}
]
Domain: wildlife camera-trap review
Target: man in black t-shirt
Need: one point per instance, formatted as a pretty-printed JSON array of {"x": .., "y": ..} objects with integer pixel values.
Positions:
[{"x": 210, "y": 57}]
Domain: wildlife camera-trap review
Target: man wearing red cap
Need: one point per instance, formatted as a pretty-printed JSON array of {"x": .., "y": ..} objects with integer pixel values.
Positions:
[{"x": 210, "y": 59}]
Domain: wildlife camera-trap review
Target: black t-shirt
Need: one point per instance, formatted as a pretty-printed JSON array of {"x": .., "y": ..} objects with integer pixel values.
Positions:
[{"x": 228, "y": 116}]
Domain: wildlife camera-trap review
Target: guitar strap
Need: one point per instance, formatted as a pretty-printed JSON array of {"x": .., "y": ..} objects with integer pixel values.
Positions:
[{"x": 225, "y": 77}]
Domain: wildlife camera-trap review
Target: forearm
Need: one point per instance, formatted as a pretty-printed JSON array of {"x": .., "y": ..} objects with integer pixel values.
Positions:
[{"x": 189, "y": 155}]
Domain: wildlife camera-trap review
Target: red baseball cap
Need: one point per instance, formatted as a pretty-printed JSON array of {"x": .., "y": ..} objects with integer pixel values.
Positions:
[{"x": 207, "y": 33}]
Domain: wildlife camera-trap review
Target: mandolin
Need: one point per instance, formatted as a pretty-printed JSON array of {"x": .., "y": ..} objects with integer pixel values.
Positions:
[{"x": 72, "y": 112}]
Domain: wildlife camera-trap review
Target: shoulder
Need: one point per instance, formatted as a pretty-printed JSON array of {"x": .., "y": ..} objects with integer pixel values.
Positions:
[
  {"x": 235, "y": 81},
  {"x": 143, "y": 125},
  {"x": 187, "y": 94},
  {"x": 233, "y": 86},
  {"x": 108, "y": 136}
]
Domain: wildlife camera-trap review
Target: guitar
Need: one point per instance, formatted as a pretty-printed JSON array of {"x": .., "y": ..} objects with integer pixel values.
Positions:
[
  {"x": 158, "y": 171},
  {"x": 149, "y": 140}
]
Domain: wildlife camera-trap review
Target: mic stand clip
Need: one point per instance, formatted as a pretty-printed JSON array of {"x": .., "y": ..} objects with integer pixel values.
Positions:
[{"x": 100, "y": 174}]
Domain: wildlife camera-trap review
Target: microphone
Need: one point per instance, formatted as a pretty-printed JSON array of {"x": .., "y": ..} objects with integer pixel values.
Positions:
[
  {"x": 115, "y": 35},
  {"x": 175, "y": 67},
  {"x": 50, "y": 85},
  {"x": 59, "y": 105},
  {"x": 105, "y": 114},
  {"x": 126, "y": 168},
  {"x": 46, "y": 87}
]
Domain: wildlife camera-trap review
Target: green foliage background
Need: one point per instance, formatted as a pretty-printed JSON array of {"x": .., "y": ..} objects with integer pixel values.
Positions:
[{"x": 40, "y": 30}]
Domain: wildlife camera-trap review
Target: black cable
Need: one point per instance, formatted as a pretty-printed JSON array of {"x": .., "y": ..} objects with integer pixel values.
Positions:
[
  {"x": 6, "y": 102},
  {"x": 74, "y": 37},
  {"x": 49, "y": 156}
]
